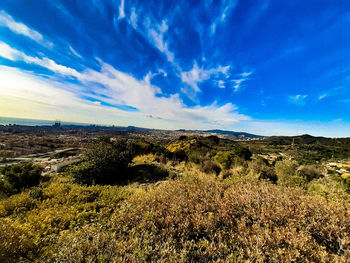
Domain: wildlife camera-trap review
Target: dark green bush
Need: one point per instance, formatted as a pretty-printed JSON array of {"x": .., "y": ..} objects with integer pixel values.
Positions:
[
  {"x": 258, "y": 164},
  {"x": 310, "y": 172},
  {"x": 242, "y": 152},
  {"x": 17, "y": 177},
  {"x": 233, "y": 158},
  {"x": 179, "y": 155},
  {"x": 269, "y": 174},
  {"x": 105, "y": 162},
  {"x": 37, "y": 193},
  {"x": 214, "y": 139},
  {"x": 224, "y": 159},
  {"x": 209, "y": 166}
]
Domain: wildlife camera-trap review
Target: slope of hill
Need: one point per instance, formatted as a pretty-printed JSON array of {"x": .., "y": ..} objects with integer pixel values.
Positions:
[{"x": 238, "y": 135}]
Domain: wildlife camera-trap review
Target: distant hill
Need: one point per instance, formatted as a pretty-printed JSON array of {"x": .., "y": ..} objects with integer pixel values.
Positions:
[
  {"x": 239, "y": 135},
  {"x": 306, "y": 139}
]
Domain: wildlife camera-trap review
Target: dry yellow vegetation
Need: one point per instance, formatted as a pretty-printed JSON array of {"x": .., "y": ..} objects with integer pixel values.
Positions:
[{"x": 196, "y": 217}]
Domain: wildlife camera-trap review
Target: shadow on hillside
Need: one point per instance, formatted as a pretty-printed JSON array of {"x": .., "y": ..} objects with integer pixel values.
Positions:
[{"x": 147, "y": 173}]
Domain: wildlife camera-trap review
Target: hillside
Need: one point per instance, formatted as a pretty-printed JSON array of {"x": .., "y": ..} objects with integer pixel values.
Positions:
[{"x": 193, "y": 199}]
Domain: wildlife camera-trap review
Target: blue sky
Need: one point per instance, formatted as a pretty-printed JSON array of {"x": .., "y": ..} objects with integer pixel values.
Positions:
[{"x": 267, "y": 67}]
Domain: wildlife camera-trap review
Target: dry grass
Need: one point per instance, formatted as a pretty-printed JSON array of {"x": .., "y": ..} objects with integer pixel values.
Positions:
[
  {"x": 196, "y": 217},
  {"x": 202, "y": 219}
]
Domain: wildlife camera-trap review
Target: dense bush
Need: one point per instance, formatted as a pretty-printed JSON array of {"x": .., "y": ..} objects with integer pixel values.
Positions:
[
  {"x": 106, "y": 162},
  {"x": 286, "y": 168},
  {"x": 16, "y": 177},
  {"x": 286, "y": 171},
  {"x": 224, "y": 159},
  {"x": 310, "y": 172},
  {"x": 209, "y": 166},
  {"x": 194, "y": 218},
  {"x": 269, "y": 174},
  {"x": 229, "y": 159},
  {"x": 32, "y": 222},
  {"x": 262, "y": 167},
  {"x": 242, "y": 152},
  {"x": 330, "y": 187},
  {"x": 140, "y": 147}
]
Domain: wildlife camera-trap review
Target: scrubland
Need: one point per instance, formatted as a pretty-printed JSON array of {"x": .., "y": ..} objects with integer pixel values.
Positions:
[{"x": 192, "y": 200}]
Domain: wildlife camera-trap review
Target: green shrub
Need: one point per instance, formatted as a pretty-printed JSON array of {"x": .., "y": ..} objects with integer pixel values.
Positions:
[
  {"x": 242, "y": 152},
  {"x": 286, "y": 171},
  {"x": 236, "y": 157},
  {"x": 224, "y": 159},
  {"x": 196, "y": 156},
  {"x": 286, "y": 168},
  {"x": 15, "y": 243},
  {"x": 105, "y": 162},
  {"x": 329, "y": 187},
  {"x": 32, "y": 221},
  {"x": 258, "y": 164},
  {"x": 36, "y": 193},
  {"x": 19, "y": 176},
  {"x": 310, "y": 172},
  {"x": 17, "y": 204}
]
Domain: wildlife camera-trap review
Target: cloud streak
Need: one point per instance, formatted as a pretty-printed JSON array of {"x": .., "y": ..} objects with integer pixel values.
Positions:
[
  {"x": 298, "y": 99},
  {"x": 225, "y": 9},
  {"x": 121, "y": 10},
  {"x": 156, "y": 35},
  {"x": 243, "y": 77},
  {"x": 21, "y": 29},
  {"x": 15, "y": 55}
]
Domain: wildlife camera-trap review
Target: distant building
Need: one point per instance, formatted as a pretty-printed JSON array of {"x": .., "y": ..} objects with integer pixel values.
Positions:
[{"x": 57, "y": 123}]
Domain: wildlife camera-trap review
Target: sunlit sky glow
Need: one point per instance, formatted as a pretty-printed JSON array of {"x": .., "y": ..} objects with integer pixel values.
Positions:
[{"x": 269, "y": 67}]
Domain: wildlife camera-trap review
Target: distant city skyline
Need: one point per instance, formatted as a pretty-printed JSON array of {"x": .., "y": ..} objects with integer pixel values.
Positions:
[{"x": 263, "y": 67}]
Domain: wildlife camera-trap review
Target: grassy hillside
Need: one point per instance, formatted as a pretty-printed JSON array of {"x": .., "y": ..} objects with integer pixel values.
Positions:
[
  {"x": 304, "y": 148},
  {"x": 161, "y": 208}
]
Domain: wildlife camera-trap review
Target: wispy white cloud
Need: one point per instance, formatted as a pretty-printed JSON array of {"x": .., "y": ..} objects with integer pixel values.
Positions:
[
  {"x": 322, "y": 96},
  {"x": 74, "y": 52},
  {"x": 19, "y": 28},
  {"x": 7, "y": 52},
  {"x": 221, "y": 84},
  {"x": 238, "y": 83},
  {"x": 298, "y": 99},
  {"x": 289, "y": 127},
  {"x": 197, "y": 75},
  {"x": 133, "y": 18},
  {"x": 148, "y": 99},
  {"x": 43, "y": 98},
  {"x": 225, "y": 9},
  {"x": 121, "y": 10},
  {"x": 242, "y": 78},
  {"x": 15, "y": 55},
  {"x": 156, "y": 33},
  {"x": 246, "y": 74},
  {"x": 338, "y": 120},
  {"x": 115, "y": 88}
]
